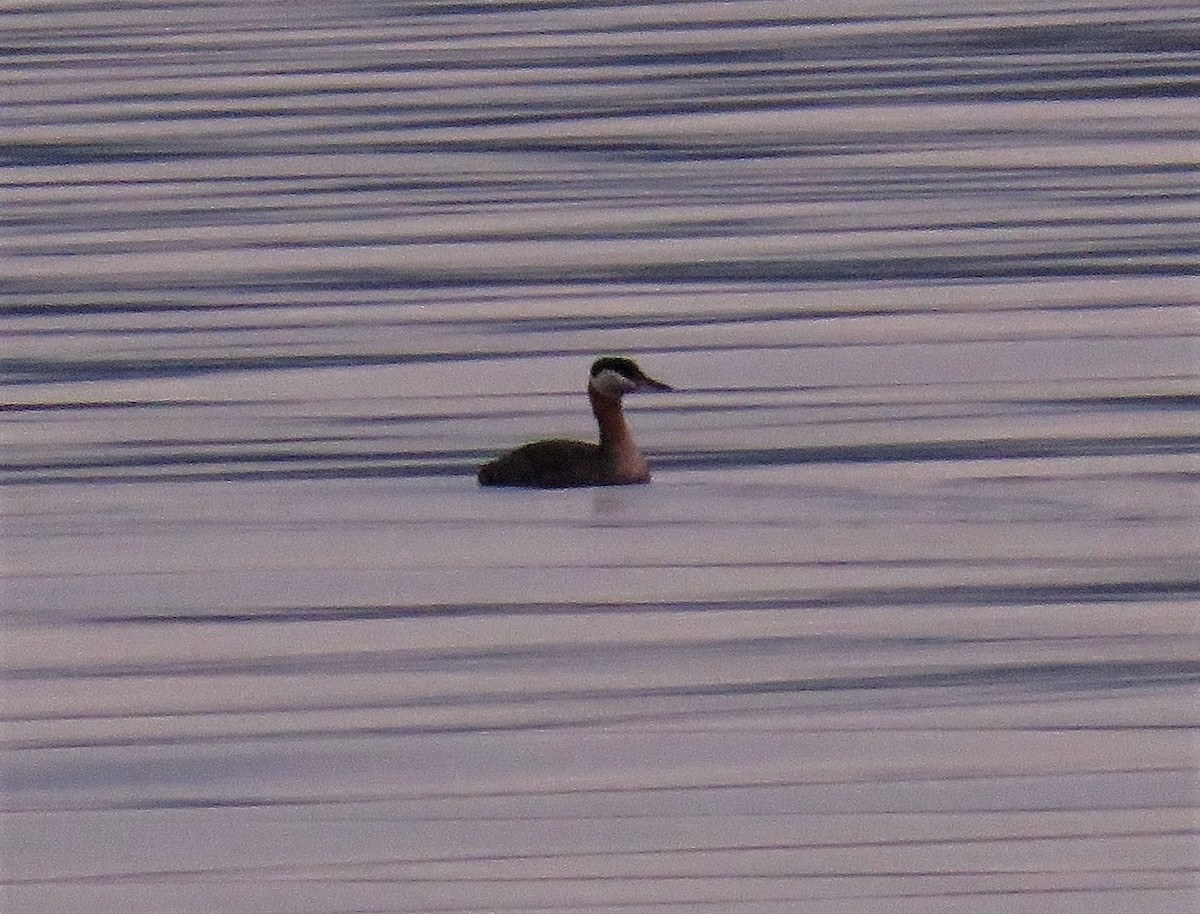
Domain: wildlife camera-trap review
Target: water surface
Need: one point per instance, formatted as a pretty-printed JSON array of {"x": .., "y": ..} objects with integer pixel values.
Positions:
[{"x": 906, "y": 620}]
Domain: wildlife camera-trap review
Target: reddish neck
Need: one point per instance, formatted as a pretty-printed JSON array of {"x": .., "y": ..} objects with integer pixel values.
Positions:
[
  {"x": 623, "y": 460},
  {"x": 614, "y": 433}
]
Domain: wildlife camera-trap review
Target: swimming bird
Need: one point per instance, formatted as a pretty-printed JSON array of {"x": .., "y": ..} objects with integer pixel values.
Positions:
[{"x": 559, "y": 463}]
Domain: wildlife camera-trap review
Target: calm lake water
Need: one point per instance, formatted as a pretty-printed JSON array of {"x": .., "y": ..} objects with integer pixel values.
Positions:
[{"x": 906, "y": 621}]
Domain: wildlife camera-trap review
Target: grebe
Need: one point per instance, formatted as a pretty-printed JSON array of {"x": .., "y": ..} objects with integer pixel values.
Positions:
[{"x": 559, "y": 463}]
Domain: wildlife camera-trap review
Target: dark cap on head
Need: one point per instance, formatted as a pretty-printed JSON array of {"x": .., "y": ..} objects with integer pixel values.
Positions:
[{"x": 623, "y": 366}]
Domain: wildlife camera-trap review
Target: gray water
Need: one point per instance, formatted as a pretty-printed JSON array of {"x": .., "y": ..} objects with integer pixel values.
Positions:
[{"x": 905, "y": 621}]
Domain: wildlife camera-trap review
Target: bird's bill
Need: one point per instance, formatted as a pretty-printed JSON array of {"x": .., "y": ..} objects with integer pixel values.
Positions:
[{"x": 648, "y": 383}]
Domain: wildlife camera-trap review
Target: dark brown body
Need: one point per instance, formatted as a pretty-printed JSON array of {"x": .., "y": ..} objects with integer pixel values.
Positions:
[{"x": 554, "y": 464}]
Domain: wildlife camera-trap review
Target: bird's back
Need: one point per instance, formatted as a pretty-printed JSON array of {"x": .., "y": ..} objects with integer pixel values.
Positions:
[{"x": 552, "y": 464}]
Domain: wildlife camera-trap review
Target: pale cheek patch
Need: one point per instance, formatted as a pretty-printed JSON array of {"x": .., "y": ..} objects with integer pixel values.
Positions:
[{"x": 610, "y": 383}]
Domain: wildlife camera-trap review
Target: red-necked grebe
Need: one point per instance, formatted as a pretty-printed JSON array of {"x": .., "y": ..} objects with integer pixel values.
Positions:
[{"x": 558, "y": 463}]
